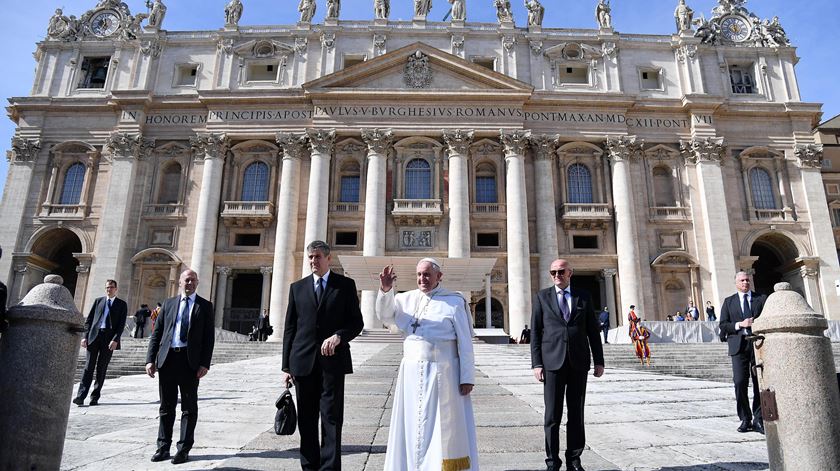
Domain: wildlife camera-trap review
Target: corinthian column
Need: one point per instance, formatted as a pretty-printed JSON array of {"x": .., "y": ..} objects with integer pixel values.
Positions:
[
  {"x": 378, "y": 141},
  {"x": 621, "y": 150},
  {"x": 459, "y": 142},
  {"x": 707, "y": 155},
  {"x": 22, "y": 160},
  {"x": 544, "y": 148},
  {"x": 211, "y": 149},
  {"x": 317, "y": 200},
  {"x": 285, "y": 236},
  {"x": 519, "y": 251},
  {"x": 221, "y": 294}
]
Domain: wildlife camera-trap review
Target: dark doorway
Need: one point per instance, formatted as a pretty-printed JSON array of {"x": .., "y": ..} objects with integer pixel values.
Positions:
[
  {"x": 767, "y": 272},
  {"x": 58, "y": 246},
  {"x": 497, "y": 314},
  {"x": 592, "y": 284},
  {"x": 245, "y": 298}
]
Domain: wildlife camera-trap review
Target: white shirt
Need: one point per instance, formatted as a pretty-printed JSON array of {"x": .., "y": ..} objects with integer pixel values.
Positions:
[
  {"x": 103, "y": 322},
  {"x": 176, "y": 335},
  {"x": 316, "y": 278},
  {"x": 741, "y": 305},
  {"x": 563, "y": 295}
]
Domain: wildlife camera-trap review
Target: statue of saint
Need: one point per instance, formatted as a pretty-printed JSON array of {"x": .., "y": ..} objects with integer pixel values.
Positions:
[
  {"x": 603, "y": 14},
  {"x": 503, "y": 12},
  {"x": 422, "y": 7},
  {"x": 333, "y": 8},
  {"x": 381, "y": 9},
  {"x": 307, "y": 10},
  {"x": 157, "y": 11},
  {"x": 459, "y": 10},
  {"x": 683, "y": 15},
  {"x": 535, "y": 12},
  {"x": 233, "y": 12},
  {"x": 58, "y": 25}
]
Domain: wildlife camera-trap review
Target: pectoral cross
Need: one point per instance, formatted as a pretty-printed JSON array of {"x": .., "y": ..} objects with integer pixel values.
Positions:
[
  {"x": 419, "y": 313},
  {"x": 415, "y": 325}
]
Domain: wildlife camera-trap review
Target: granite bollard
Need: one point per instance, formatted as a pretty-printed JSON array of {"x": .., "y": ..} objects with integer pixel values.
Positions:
[
  {"x": 39, "y": 354},
  {"x": 796, "y": 364}
]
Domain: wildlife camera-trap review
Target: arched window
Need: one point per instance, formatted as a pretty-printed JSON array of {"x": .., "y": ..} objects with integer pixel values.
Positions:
[
  {"x": 485, "y": 184},
  {"x": 580, "y": 184},
  {"x": 762, "y": 189},
  {"x": 349, "y": 184},
  {"x": 255, "y": 182},
  {"x": 170, "y": 184},
  {"x": 663, "y": 187},
  {"x": 74, "y": 178},
  {"x": 418, "y": 180}
]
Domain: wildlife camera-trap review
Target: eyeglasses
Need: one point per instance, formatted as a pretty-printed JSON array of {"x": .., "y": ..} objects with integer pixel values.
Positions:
[{"x": 560, "y": 272}]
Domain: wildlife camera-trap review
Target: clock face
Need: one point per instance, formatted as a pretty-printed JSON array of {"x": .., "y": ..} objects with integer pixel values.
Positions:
[
  {"x": 104, "y": 23},
  {"x": 735, "y": 29}
]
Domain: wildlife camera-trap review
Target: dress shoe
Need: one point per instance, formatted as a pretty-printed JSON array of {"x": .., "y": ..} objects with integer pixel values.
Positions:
[
  {"x": 745, "y": 426},
  {"x": 160, "y": 455},
  {"x": 574, "y": 466},
  {"x": 758, "y": 426},
  {"x": 78, "y": 401},
  {"x": 181, "y": 457},
  {"x": 94, "y": 402}
]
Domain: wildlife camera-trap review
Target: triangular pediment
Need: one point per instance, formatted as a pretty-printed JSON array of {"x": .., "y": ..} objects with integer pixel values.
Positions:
[{"x": 417, "y": 69}]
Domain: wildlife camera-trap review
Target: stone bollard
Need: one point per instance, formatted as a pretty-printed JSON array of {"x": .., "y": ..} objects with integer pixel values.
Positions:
[
  {"x": 38, "y": 355},
  {"x": 797, "y": 366}
]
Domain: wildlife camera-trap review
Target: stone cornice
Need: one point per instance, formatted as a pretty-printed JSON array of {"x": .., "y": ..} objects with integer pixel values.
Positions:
[
  {"x": 293, "y": 145},
  {"x": 459, "y": 141},
  {"x": 210, "y": 145},
  {"x": 809, "y": 155},
  {"x": 545, "y": 146},
  {"x": 23, "y": 150},
  {"x": 515, "y": 141},
  {"x": 623, "y": 148},
  {"x": 703, "y": 149},
  {"x": 322, "y": 141},
  {"x": 123, "y": 145},
  {"x": 378, "y": 140}
]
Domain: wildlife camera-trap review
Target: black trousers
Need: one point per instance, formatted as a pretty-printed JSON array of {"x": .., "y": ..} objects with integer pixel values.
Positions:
[
  {"x": 320, "y": 394},
  {"x": 97, "y": 358},
  {"x": 741, "y": 373},
  {"x": 570, "y": 384},
  {"x": 606, "y": 331},
  {"x": 175, "y": 375}
]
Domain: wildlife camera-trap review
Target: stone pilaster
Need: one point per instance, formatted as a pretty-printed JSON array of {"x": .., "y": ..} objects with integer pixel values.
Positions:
[
  {"x": 707, "y": 155},
  {"x": 285, "y": 238},
  {"x": 458, "y": 142},
  {"x": 379, "y": 143},
  {"x": 321, "y": 142},
  {"x": 608, "y": 274},
  {"x": 519, "y": 250},
  {"x": 211, "y": 150},
  {"x": 21, "y": 158},
  {"x": 545, "y": 147},
  {"x": 265, "y": 297},
  {"x": 621, "y": 151},
  {"x": 223, "y": 273}
]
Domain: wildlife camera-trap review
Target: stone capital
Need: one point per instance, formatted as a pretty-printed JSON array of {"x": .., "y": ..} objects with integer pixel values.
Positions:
[
  {"x": 82, "y": 268},
  {"x": 23, "y": 150},
  {"x": 266, "y": 270},
  {"x": 223, "y": 271},
  {"x": 293, "y": 145},
  {"x": 623, "y": 148},
  {"x": 210, "y": 145},
  {"x": 378, "y": 140},
  {"x": 609, "y": 272},
  {"x": 322, "y": 141},
  {"x": 545, "y": 146},
  {"x": 809, "y": 155},
  {"x": 123, "y": 145},
  {"x": 458, "y": 141},
  {"x": 514, "y": 141},
  {"x": 808, "y": 271},
  {"x": 328, "y": 41},
  {"x": 703, "y": 149}
]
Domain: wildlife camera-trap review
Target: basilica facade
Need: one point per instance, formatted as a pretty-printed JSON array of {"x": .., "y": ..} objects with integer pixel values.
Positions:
[{"x": 659, "y": 166}]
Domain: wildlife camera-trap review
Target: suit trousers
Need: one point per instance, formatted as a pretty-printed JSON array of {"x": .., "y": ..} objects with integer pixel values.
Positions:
[
  {"x": 321, "y": 393},
  {"x": 568, "y": 383},
  {"x": 741, "y": 373},
  {"x": 175, "y": 375},
  {"x": 96, "y": 359}
]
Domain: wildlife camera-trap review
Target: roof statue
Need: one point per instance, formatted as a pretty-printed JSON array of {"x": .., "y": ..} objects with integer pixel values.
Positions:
[
  {"x": 157, "y": 10},
  {"x": 381, "y": 9},
  {"x": 109, "y": 19},
  {"x": 422, "y": 7},
  {"x": 459, "y": 10},
  {"x": 233, "y": 13},
  {"x": 503, "y": 11},
  {"x": 535, "y": 12},
  {"x": 333, "y": 9},
  {"x": 603, "y": 14},
  {"x": 683, "y": 15},
  {"x": 307, "y": 10}
]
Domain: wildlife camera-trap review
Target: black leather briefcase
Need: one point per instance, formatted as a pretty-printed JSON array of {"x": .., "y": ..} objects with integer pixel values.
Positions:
[{"x": 285, "y": 420}]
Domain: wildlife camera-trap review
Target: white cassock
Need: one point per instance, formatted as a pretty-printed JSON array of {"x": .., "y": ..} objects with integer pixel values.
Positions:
[{"x": 432, "y": 424}]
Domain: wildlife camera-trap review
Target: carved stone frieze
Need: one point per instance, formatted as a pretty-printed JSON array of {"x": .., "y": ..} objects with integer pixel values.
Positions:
[
  {"x": 536, "y": 46},
  {"x": 809, "y": 155},
  {"x": 108, "y": 20},
  {"x": 378, "y": 140},
  {"x": 224, "y": 271},
  {"x": 623, "y": 148},
  {"x": 458, "y": 141},
  {"x": 508, "y": 41},
  {"x": 457, "y": 44},
  {"x": 515, "y": 142},
  {"x": 226, "y": 45},
  {"x": 24, "y": 150},
  {"x": 609, "y": 49},
  {"x": 708, "y": 149},
  {"x": 328, "y": 41},
  {"x": 300, "y": 45},
  {"x": 733, "y": 25},
  {"x": 266, "y": 270},
  {"x": 416, "y": 239},
  {"x": 379, "y": 41},
  {"x": 686, "y": 52},
  {"x": 293, "y": 145},
  {"x": 545, "y": 146},
  {"x": 125, "y": 145},
  {"x": 151, "y": 47},
  {"x": 607, "y": 273},
  {"x": 321, "y": 141},
  {"x": 418, "y": 71},
  {"x": 210, "y": 145}
]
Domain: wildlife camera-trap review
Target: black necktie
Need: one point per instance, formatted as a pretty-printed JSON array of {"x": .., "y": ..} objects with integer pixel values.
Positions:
[
  {"x": 747, "y": 312},
  {"x": 564, "y": 307},
  {"x": 185, "y": 320},
  {"x": 319, "y": 290},
  {"x": 108, "y": 315}
]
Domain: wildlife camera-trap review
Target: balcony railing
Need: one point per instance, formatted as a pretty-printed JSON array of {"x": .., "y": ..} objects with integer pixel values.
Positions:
[
  {"x": 164, "y": 210},
  {"x": 70, "y": 211},
  {"x": 775, "y": 215},
  {"x": 488, "y": 208},
  {"x": 421, "y": 206},
  {"x": 417, "y": 212},
  {"x": 248, "y": 213},
  {"x": 669, "y": 212},
  {"x": 345, "y": 207},
  {"x": 586, "y": 215}
]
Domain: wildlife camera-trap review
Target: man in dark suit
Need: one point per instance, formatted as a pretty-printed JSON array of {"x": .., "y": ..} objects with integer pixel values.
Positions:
[
  {"x": 181, "y": 348},
  {"x": 564, "y": 331},
  {"x": 322, "y": 318},
  {"x": 736, "y": 319},
  {"x": 103, "y": 328}
]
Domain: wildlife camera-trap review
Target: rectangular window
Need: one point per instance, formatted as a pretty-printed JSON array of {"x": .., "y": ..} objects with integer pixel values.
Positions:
[
  {"x": 186, "y": 75},
  {"x": 651, "y": 80},
  {"x": 262, "y": 72},
  {"x": 247, "y": 240},
  {"x": 741, "y": 79},
  {"x": 349, "y": 189},
  {"x": 487, "y": 239},
  {"x": 584, "y": 242},
  {"x": 485, "y": 190},
  {"x": 573, "y": 75},
  {"x": 486, "y": 62},
  {"x": 347, "y": 239},
  {"x": 835, "y": 217},
  {"x": 352, "y": 59},
  {"x": 826, "y": 163},
  {"x": 832, "y": 189},
  {"x": 94, "y": 72}
]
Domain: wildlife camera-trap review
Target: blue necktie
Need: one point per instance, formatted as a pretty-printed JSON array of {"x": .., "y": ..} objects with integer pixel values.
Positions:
[
  {"x": 319, "y": 290},
  {"x": 108, "y": 315},
  {"x": 185, "y": 320},
  {"x": 564, "y": 307}
]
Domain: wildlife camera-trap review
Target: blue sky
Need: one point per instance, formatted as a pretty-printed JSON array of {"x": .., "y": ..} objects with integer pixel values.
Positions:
[{"x": 813, "y": 27}]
